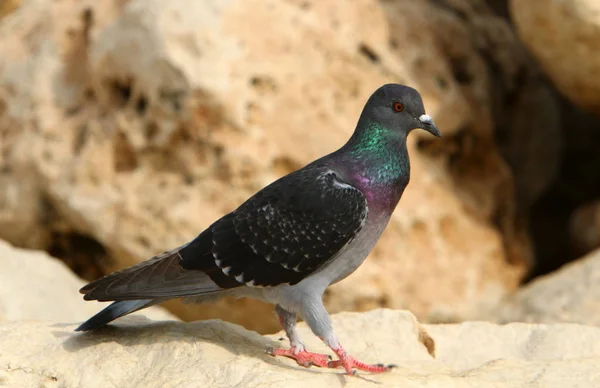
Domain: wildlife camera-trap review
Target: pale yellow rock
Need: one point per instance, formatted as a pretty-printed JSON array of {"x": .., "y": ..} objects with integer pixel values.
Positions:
[
  {"x": 571, "y": 294},
  {"x": 565, "y": 37},
  {"x": 139, "y": 353},
  {"x": 134, "y": 125},
  {"x": 36, "y": 286}
]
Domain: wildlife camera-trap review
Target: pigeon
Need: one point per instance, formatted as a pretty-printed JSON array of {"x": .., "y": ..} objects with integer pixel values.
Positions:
[{"x": 291, "y": 240}]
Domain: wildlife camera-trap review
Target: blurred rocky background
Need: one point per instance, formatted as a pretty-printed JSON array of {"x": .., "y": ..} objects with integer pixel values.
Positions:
[{"x": 128, "y": 126}]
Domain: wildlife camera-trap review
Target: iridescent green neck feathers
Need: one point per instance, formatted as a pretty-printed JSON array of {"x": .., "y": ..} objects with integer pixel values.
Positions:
[{"x": 380, "y": 154}]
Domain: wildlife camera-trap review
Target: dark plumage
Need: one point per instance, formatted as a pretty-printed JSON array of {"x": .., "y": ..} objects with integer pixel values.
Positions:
[
  {"x": 292, "y": 239},
  {"x": 283, "y": 233}
]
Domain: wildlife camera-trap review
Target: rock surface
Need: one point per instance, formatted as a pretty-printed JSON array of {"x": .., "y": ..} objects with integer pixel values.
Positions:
[
  {"x": 565, "y": 37},
  {"x": 128, "y": 127},
  {"x": 571, "y": 294},
  {"x": 486, "y": 83},
  {"x": 35, "y": 286},
  {"x": 137, "y": 352}
]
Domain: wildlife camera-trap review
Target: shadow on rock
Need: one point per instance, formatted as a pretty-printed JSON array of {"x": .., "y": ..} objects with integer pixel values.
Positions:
[{"x": 140, "y": 331}]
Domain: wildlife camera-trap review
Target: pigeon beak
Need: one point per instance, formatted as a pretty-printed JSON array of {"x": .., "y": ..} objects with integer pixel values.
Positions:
[{"x": 428, "y": 125}]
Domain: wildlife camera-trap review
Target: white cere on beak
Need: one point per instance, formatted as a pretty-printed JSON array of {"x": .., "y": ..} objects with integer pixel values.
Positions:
[{"x": 426, "y": 119}]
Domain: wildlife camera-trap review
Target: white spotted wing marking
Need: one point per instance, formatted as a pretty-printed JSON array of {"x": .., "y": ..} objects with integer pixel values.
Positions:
[{"x": 269, "y": 213}]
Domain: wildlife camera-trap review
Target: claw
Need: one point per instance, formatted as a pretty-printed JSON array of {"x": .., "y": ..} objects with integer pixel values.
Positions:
[
  {"x": 351, "y": 365},
  {"x": 303, "y": 358}
]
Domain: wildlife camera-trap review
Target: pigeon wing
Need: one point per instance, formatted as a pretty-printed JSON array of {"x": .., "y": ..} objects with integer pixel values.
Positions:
[{"x": 283, "y": 233}]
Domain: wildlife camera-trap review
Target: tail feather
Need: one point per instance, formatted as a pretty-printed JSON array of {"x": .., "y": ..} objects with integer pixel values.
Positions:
[
  {"x": 114, "y": 311},
  {"x": 159, "y": 277}
]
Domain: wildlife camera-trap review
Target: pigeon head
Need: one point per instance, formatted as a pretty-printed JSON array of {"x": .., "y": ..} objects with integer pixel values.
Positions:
[{"x": 399, "y": 109}]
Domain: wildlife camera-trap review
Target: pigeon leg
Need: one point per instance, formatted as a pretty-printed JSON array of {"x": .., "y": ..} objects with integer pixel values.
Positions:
[
  {"x": 297, "y": 350},
  {"x": 319, "y": 322}
]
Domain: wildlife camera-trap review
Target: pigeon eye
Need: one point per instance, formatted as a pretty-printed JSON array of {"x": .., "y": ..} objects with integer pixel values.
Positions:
[{"x": 398, "y": 106}]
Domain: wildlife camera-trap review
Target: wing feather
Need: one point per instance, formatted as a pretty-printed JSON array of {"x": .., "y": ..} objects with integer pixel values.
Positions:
[
  {"x": 286, "y": 231},
  {"x": 281, "y": 235},
  {"x": 160, "y": 276}
]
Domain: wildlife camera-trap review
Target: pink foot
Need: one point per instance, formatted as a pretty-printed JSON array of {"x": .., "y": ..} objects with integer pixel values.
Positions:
[
  {"x": 350, "y": 363},
  {"x": 303, "y": 358}
]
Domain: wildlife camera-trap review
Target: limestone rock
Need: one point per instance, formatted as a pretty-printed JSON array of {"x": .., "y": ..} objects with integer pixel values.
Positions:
[
  {"x": 140, "y": 353},
  {"x": 128, "y": 127},
  {"x": 571, "y": 294},
  {"x": 489, "y": 92},
  {"x": 565, "y": 37},
  {"x": 35, "y": 286}
]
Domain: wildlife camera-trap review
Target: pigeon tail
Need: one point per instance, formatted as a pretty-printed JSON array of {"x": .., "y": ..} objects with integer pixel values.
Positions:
[
  {"x": 160, "y": 277},
  {"x": 114, "y": 311}
]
